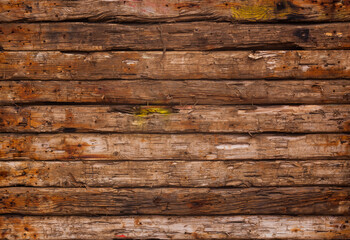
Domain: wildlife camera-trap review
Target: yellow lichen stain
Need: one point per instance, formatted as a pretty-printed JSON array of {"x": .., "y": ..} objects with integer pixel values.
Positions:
[
  {"x": 253, "y": 12},
  {"x": 267, "y": 10},
  {"x": 142, "y": 113},
  {"x": 145, "y": 111},
  {"x": 329, "y": 34},
  {"x": 262, "y": 10}
]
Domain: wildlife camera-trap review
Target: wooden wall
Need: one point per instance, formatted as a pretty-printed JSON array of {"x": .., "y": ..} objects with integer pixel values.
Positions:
[{"x": 174, "y": 119}]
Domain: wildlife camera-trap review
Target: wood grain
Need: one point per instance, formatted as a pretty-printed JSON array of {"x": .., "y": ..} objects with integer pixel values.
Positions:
[
  {"x": 175, "y": 201},
  {"x": 166, "y": 119},
  {"x": 178, "y": 36},
  {"x": 174, "y": 119},
  {"x": 178, "y": 65},
  {"x": 76, "y": 146},
  {"x": 176, "y": 92},
  {"x": 165, "y": 227},
  {"x": 174, "y": 10},
  {"x": 175, "y": 173}
]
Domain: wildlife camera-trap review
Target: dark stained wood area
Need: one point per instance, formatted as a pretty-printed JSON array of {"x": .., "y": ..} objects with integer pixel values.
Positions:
[
  {"x": 174, "y": 119},
  {"x": 172, "y": 36},
  {"x": 176, "y": 201}
]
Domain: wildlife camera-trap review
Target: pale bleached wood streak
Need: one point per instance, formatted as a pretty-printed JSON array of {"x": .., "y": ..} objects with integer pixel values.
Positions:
[
  {"x": 175, "y": 201},
  {"x": 172, "y": 227},
  {"x": 176, "y": 92},
  {"x": 175, "y": 173},
  {"x": 175, "y": 65},
  {"x": 174, "y": 10},
  {"x": 172, "y": 36},
  {"x": 166, "y": 119},
  {"x": 75, "y": 146}
]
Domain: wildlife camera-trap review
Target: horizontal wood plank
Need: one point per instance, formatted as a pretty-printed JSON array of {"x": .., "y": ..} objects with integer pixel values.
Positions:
[
  {"x": 178, "y": 36},
  {"x": 175, "y": 173},
  {"x": 172, "y": 227},
  {"x": 77, "y": 146},
  {"x": 175, "y": 201},
  {"x": 174, "y": 10},
  {"x": 176, "y": 92},
  {"x": 165, "y": 119},
  {"x": 178, "y": 65}
]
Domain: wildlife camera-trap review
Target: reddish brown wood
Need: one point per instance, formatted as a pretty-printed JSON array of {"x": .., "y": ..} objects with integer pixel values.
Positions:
[
  {"x": 172, "y": 36},
  {"x": 178, "y": 65},
  {"x": 175, "y": 10},
  {"x": 176, "y": 92},
  {"x": 175, "y": 201},
  {"x": 175, "y": 173},
  {"x": 166, "y": 119}
]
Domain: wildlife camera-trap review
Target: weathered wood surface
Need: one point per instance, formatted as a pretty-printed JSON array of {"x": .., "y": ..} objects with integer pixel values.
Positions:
[
  {"x": 176, "y": 92},
  {"x": 166, "y": 119},
  {"x": 178, "y": 65},
  {"x": 76, "y": 146},
  {"x": 173, "y": 227},
  {"x": 175, "y": 201},
  {"x": 175, "y": 173},
  {"x": 178, "y": 36},
  {"x": 117, "y": 119},
  {"x": 171, "y": 10}
]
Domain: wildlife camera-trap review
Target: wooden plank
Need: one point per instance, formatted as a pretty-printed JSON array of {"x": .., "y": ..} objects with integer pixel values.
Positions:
[
  {"x": 176, "y": 92},
  {"x": 172, "y": 146},
  {"x": 178, "y": 65},
  {"x": 175, "y": 201},
  {"x": 178, "y": 36},
  {"x": 174, "y": 10},
  {"x": 166, "y": 119},
  {"x": 172, "y": 227},
  {"x": 175, "y": 173}
]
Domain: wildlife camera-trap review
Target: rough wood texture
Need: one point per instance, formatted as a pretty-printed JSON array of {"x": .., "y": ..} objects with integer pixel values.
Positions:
[
  {"x": 220, "y": 130},
  {"x": 172, "y": 146},
  {"x": 178, "y": 36},
  {"x": 175, "y": 201},
  {"x": 176, "y": 92},
  {"x": 159, "y": 227},
  {"x": 331, "y": 64},
  {"x": 174, "y": 10},
  {"x": 165, "y": 119},
  {"x": 175, "y": 173}
]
